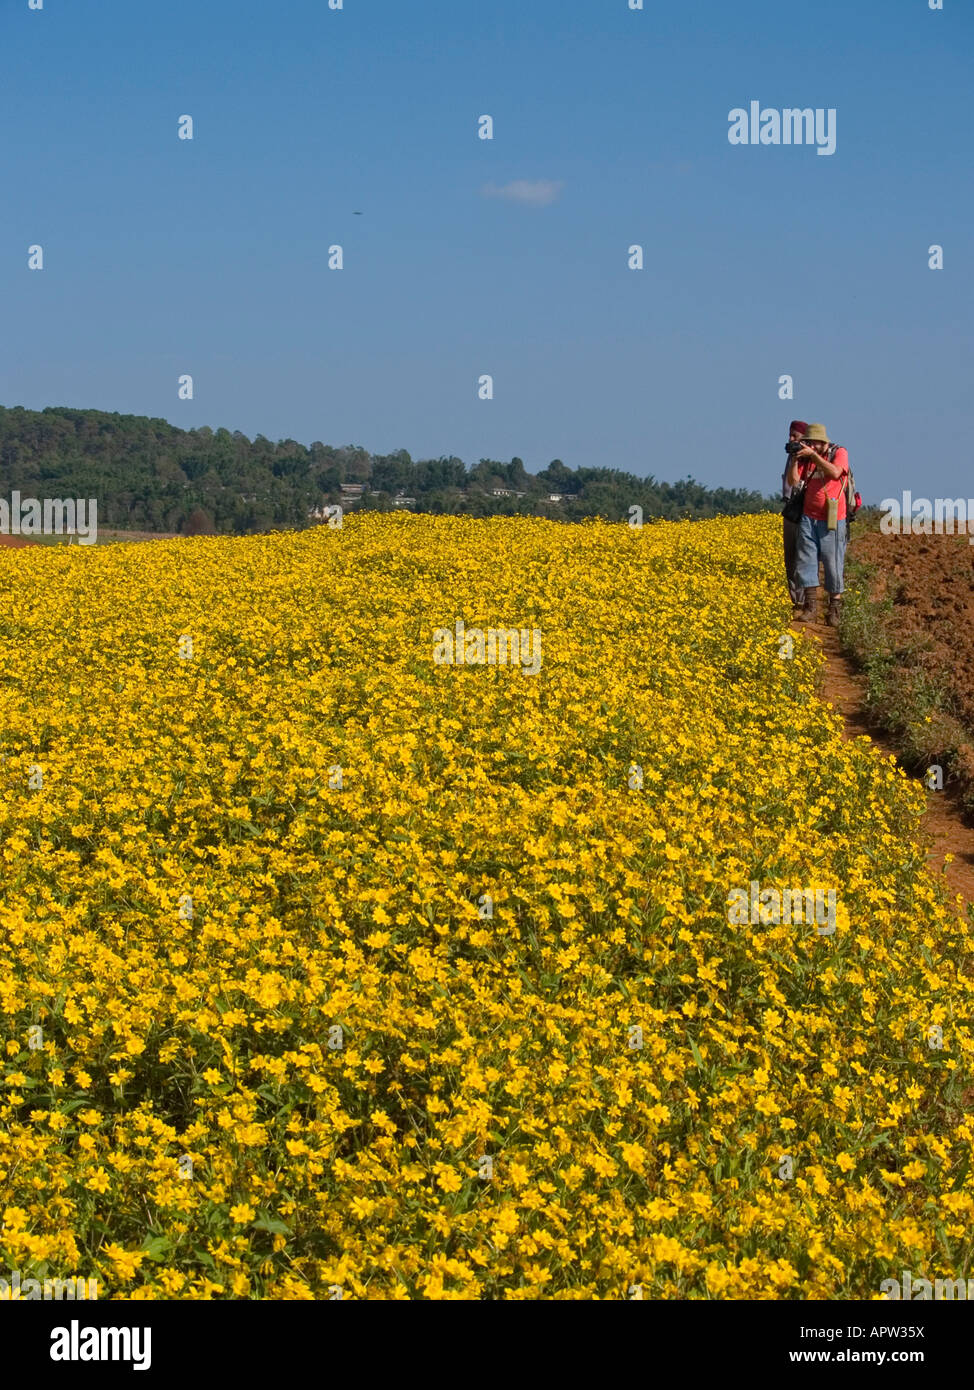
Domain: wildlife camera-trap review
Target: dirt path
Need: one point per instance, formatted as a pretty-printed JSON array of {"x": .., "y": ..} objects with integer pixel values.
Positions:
[{"x": 943, "y": 821}]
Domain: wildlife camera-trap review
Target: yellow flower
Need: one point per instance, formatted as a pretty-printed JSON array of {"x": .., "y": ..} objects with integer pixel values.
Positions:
[
  {"x": 507, "y": 1220},
  {"x": 125, "y": 1263},
  {"x": 99, "y": 1181},
  {"x": 447, "y": 1178},
  {"x": 634, "y": 1155}
]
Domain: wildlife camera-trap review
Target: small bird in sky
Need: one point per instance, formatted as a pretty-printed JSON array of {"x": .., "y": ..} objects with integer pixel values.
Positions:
[{"x": 356, "y": 214}]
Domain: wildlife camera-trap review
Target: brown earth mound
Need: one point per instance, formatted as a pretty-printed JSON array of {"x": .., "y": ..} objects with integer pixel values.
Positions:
[
  {"x": 919, "y": 613},
  {"x": 931, "y": 581}
]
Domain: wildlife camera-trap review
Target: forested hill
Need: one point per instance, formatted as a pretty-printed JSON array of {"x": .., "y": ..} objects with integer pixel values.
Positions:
[{"x": 148, "y": 475}]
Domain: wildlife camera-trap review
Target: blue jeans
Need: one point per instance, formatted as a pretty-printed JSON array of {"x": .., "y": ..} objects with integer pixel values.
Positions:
[{"x": 816, "y": 542}]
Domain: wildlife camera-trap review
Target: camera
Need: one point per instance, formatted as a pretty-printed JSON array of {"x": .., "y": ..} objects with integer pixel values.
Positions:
[{"x": 794, "y": 445}]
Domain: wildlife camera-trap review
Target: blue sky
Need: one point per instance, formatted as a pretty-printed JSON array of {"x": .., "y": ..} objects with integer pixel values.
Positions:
[{"x": 210, "y": 256}]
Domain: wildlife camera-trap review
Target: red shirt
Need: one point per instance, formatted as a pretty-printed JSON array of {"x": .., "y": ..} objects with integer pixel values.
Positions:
[{"x": 819, "y": 490}]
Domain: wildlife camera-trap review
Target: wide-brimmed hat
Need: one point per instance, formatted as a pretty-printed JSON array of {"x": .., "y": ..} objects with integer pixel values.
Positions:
[{"x": 818, "y": 434}]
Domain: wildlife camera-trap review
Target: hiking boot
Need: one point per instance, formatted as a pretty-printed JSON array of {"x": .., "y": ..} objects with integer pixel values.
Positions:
[
  {"x": 832, "y": 617},
  {"x": 798, "y": 603},
  {"x": 807, "y": 615}
]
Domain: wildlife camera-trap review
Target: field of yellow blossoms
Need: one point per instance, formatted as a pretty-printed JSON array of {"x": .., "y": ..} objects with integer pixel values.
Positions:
[{"x": 328, "y": 970}]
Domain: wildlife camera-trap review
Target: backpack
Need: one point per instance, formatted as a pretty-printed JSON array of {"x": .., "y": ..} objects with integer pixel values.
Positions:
[{"x": 853, "y": 501}]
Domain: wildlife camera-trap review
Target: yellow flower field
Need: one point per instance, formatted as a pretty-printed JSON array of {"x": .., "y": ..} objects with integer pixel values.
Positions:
[{"x": 466, "y": 1018}]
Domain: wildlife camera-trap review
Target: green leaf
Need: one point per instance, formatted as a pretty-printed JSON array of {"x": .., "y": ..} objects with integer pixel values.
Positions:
[
  {"x": 272, "y": 1224},
  {"x": 156, "y": 1247}
]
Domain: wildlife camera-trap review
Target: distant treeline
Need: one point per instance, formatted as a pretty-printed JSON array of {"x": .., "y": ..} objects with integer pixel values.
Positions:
[{"x": 147, "y": 475}]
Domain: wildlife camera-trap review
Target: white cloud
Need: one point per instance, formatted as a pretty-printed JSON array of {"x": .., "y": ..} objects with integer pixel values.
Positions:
[{"x": 535, "y": 193}]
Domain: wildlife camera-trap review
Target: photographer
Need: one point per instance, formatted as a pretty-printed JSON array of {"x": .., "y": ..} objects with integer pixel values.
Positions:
[
  {"x": 822, "y": 530},
  {"x": 796, "y": 432}
]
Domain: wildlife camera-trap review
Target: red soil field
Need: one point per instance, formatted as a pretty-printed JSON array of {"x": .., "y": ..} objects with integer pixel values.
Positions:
[{"x": 931, "y": 581}]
